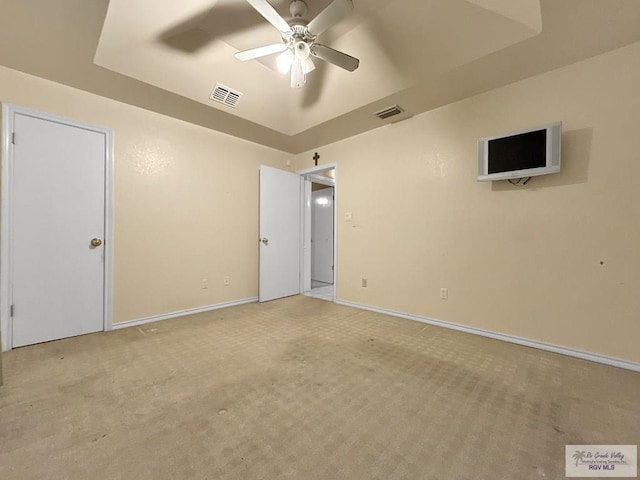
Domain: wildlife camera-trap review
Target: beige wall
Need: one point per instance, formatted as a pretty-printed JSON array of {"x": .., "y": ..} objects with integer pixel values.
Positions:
[
  {"x": 557, "y": 261},
  {"x": 186, "y": 201},
  {"x": 520, "y": 261}
]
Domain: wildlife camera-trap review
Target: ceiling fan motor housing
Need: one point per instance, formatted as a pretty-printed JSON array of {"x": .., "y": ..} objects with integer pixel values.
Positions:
[
  {"x": 299, "y": 33},
  {"x": 298, "y": 8}
]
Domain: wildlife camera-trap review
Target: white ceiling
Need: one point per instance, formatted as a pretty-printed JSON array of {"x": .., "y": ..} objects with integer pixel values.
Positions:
[{"x": 167, "y": 56}]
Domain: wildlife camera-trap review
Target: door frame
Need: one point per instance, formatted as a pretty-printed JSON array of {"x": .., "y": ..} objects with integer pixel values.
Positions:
[
  {"x": 6, "y": 214},
  {"x": 309, "y": 175}
]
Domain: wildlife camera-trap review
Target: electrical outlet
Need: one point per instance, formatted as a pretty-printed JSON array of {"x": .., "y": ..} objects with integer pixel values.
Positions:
[
  {"x": 444, "y": 293},
  {"x": 204, "y": 284},
  {"x": 364, "y": 282},
  {"x": 226, "y": 281}
]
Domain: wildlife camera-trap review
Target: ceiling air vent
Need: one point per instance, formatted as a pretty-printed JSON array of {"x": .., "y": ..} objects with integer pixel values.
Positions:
[
  {"x": 389, "y": 112},
  {"x": 225, "y": 95}
]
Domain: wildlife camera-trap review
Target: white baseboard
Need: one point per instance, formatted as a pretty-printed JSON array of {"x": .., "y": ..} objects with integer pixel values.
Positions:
[
  {"x": 593, "y": 357},
  {"x": 190, "y": 311}
]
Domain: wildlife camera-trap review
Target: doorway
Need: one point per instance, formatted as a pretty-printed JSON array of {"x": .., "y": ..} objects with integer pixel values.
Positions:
[
  {"x": 285, "y": 233},
  {"x": 319, "y": 225},
  {"x": 56, "y": 228}
]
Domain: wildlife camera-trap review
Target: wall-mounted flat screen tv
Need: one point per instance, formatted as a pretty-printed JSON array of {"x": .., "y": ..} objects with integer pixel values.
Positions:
[{"x": 525, "y": 153}]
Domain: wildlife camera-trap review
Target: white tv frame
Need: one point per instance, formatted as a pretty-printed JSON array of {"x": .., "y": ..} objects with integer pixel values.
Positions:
[{"x": 554, "y": 141}]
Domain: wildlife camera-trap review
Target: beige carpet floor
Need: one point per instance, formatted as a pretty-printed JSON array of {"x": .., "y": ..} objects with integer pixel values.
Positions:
[{"x": 301, "y": 388}]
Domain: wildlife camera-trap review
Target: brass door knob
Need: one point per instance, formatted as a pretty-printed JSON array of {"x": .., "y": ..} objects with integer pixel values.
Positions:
[{"x": 96, "y": 242}]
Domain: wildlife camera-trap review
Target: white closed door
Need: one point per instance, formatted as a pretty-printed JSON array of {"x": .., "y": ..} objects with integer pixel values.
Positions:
[
  {"x": 58, "y": 209},
  {"x": 279, "y": 233},
  {"x": 322, "y": 235}
]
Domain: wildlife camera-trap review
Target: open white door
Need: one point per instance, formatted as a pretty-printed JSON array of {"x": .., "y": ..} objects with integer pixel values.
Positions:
[{"x": 280, "y": 204}]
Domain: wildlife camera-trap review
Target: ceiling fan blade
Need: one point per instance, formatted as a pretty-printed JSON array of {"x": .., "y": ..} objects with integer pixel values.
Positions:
[
  {"x": 330, "y": 55},
  {"x": 336, "y": 11},
  {"x": 297, "y": 74},
  {"x": 265, "y": 9},
  {"x": 260, "y": 51}
]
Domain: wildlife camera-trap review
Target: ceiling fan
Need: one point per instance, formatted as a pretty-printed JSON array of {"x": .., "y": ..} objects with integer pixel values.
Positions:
[{"x": 299, "y": 39}]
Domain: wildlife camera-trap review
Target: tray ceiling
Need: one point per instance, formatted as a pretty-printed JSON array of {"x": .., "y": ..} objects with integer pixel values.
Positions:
[{"x": 167, "y": 56}]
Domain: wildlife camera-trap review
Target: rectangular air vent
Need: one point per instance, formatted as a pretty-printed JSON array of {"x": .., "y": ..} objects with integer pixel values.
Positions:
[
  {"x": 225, "y": 95},
  {"x": 389, "y": 112}
]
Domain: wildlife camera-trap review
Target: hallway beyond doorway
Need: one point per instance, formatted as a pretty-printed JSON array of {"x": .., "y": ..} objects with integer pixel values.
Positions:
[{"x": 321, "y": 290}]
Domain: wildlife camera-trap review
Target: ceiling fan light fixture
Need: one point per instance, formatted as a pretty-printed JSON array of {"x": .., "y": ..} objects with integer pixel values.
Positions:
[
  {"x": 308, "y": 66},
  {"x": 284, "y": 61},
  {"x": 298, "y": 78},
  {"x": 302, "y": 50}
]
